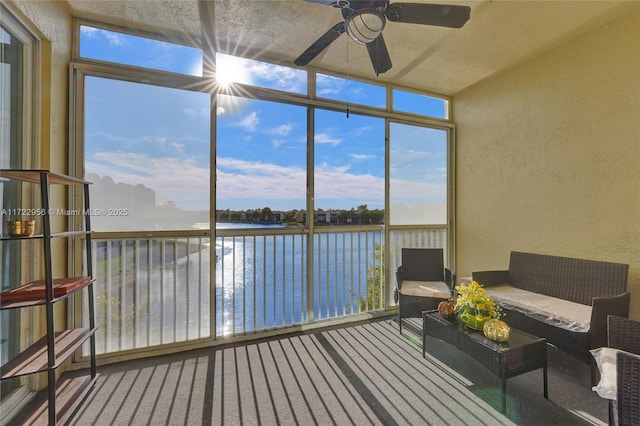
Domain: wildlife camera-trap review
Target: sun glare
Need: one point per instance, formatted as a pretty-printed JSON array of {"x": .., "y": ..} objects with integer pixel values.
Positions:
[{"x": 230, "y": 70}]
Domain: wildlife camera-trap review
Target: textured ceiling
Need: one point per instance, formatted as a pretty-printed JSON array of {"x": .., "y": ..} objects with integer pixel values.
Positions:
[{"x": 499, "y": 35}]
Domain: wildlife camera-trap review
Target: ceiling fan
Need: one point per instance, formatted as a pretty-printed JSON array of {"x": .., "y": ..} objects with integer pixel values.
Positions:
[{"x": 364, "y": 21}]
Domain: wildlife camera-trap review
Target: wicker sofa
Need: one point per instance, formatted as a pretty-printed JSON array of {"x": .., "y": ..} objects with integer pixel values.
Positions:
[{"x": 565, "y": 300}]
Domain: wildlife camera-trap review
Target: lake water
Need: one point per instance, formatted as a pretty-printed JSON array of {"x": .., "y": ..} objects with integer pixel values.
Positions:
[
  {"x": 261, "y": 282},
  {"x": 157, "y": 291}
]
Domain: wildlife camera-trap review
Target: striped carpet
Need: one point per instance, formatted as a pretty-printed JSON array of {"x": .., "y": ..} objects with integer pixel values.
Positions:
[
  {"x": 362, "y": 374},
  {"x": 354, "y": 375}
]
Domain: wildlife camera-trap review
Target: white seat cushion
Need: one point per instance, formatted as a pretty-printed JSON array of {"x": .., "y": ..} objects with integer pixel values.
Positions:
[
  {"x": 437, "y": 289},
  {"x": 552, "y": 310}
]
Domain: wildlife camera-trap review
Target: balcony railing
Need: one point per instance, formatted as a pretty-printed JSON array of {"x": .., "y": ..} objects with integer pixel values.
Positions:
[
  {"x": 155, "y": 290},
  {"x": 150, "y": 291}
]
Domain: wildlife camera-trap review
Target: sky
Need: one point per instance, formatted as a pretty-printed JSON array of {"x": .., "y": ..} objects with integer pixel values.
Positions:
[{"x": 139, "y": 134}]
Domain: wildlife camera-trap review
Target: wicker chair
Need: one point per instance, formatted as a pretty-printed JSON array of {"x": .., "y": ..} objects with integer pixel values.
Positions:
[
  {"x": 624, "y": 334},
  {"x": 422, "y": 281}
]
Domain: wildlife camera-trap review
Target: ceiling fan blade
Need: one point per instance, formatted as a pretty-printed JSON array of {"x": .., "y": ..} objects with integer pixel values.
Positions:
[
  {"x": 379, "y": 55},
  {"x": 441, "y": 15},
  {"x": 319, "y": 45}
]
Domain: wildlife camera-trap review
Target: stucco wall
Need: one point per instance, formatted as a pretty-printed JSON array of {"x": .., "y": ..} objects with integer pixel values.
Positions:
[{"x": 548, "y": 157}]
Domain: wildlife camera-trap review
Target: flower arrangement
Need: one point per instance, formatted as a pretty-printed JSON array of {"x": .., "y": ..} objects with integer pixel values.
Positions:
[{"x": 474, "y": 306}]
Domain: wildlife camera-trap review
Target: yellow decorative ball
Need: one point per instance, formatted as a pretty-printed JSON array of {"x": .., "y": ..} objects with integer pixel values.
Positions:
[{"x": 496, "y": 330}]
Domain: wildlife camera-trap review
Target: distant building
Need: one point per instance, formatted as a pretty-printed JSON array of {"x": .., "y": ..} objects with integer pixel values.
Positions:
[{"x": 301, "y": 217}]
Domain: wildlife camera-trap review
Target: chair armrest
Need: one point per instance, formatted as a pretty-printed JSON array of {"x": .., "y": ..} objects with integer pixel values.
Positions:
[
  {"x": 450, "y": 278},
  {"x": 489, "y": 278},
  {"x": 628, "y": 388},
  {"x": 601, "y": 308},
  {"x": 399, "y": 277}
]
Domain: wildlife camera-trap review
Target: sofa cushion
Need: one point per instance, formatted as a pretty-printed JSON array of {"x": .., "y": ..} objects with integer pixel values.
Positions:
[
  {"x": 561, "y": 313},
  {"x": 436, "y": 289}
]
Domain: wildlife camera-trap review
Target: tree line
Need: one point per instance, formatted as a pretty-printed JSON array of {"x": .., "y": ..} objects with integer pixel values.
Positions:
[{"x": 361, "y": 215}]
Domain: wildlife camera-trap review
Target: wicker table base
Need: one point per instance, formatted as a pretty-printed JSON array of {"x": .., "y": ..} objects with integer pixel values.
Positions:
[{"x": 522, "y": 353}]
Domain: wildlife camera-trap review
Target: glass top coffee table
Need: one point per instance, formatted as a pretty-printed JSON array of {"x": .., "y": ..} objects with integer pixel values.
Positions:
[{"x": 522, "y": 353}]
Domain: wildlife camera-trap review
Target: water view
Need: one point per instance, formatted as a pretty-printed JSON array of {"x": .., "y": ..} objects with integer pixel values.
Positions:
[{"x": 156, "y": 290}]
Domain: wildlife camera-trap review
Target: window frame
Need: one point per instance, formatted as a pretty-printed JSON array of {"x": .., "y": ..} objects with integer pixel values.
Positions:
[{"x": 83, "y": 66}]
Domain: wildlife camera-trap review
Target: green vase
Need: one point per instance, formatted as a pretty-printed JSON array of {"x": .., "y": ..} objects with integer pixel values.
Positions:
[{"x": 472, "y": 321}]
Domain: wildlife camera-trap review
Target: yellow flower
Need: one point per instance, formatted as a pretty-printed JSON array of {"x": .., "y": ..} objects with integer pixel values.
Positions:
[{"x": 472, "y": 298}]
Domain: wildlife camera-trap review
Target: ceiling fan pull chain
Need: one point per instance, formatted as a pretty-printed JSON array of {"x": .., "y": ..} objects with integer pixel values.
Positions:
[{"x": 347, "y": 80}]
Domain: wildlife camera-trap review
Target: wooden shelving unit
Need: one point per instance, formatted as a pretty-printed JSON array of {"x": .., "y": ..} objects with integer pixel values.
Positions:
[{"x": 58, "y": 402}]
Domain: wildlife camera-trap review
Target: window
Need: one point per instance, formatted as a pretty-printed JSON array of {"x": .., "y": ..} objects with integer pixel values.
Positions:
[
  {"x": 418, "y": 175},
  {"x": 147, "y": 154},
  {"x": 113, "y": 46},
  {"x": 349, "y": 168},
  {"x": 233, "y": 69},
  {"x": 17, "y": 49},
  {"x": 351, "y": 91},
  {"x": 420, "y": 104},
  {"x": 275, "y": 152},
  {"x": 261, "y": 161}
]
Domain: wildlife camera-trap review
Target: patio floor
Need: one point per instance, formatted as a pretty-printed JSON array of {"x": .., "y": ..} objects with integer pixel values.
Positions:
[{"x": 358, "y": 374}]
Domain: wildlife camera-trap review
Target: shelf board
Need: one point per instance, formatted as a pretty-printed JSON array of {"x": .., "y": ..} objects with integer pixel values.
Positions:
[
  {"x": 70, "y": 394},
  {"x": 35, "y": 358},
  {"x": 53, "y": 235},
  {"x": 30, "y": 237},
  {"x": 34, "y": 293},
  {"x": 33, "y": 176}
]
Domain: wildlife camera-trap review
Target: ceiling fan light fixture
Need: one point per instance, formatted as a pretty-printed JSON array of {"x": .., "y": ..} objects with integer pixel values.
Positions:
[{"x": 364, "y": 26}]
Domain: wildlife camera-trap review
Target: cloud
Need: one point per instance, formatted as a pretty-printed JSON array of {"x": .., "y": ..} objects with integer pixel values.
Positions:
[
  {"x": 249, "y": 122},
  {"x": 88, "y": 31},
  {"x": 329, "y": 86},
  {"x": 282, "y": 130},
  {"x": 160, "y": 141},
  {"x": 97, "y": 142},
  {"x": 114, "y": 39},
  {"x": 277, "y": 143},
  {"x": 227, "y": 104},
  {"x": 361, "y": 130},
  {"x": 349, "y": 90},
  {"x": 178, "y": 146},
  {"x": 345, "y": 189},
  {"x": 262, "y": 74},
  {"x": 361, "y": 156},
  {"x": 259, "y": 181},
  {"x": 182, "y": 181},
  {"x": 328, "y": 92},
  {"x": 251, "y": 184},
  {"x": 203, "y": 112},
  {"x": 410, "y": 192},
  {"x": 97, "y": 139},
  {"x": 272, "y": 185},
  {"x": 283, "y": 78},
  {"x": 322, "y": 138},
  {"x": 411, "y": 155}
]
